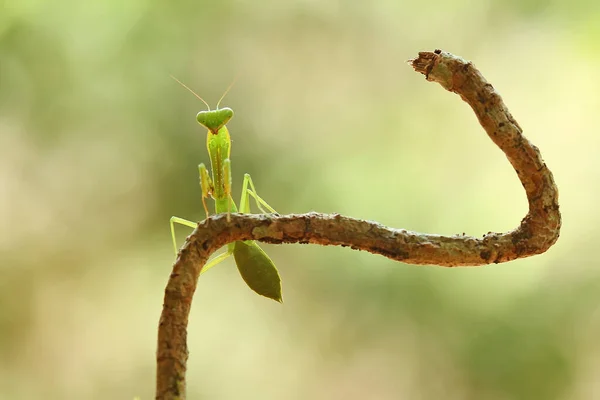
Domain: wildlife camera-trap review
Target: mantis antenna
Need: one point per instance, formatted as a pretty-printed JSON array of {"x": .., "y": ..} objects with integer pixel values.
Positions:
[
  {"x": 228, "y": 89},
  {"x": 194, "y": 93}
]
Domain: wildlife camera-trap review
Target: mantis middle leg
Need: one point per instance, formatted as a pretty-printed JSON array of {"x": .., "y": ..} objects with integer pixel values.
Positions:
[
  {"x": 245, "y": 200},
  {"x": 190, "y": 224}
]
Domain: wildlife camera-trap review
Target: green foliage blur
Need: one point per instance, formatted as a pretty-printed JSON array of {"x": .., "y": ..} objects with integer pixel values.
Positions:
[{"x": 99, "y": 147}]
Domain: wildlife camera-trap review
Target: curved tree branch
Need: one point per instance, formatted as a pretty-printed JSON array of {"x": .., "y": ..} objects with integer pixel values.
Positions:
[{"x": 537, "y": 232}]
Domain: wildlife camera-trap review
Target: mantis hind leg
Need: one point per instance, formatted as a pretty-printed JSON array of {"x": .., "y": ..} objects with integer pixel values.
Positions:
[
  {"x": 245, "y": 200},
  {"x": 215, "y": 261}
]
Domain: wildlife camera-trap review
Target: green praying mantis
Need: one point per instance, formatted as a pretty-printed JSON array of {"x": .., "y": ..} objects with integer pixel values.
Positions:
[{"x": 255, "y": 266}]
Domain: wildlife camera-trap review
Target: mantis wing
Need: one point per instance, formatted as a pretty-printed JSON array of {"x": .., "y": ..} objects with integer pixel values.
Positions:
[{"x": 257, "y": 270}]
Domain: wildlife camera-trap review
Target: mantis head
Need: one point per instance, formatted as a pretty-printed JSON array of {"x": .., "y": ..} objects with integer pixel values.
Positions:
[{"x": 214, "y": 120}]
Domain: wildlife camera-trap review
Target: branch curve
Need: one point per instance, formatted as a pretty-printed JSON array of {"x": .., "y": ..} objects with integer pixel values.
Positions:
[{"x": 537, "y": 232}]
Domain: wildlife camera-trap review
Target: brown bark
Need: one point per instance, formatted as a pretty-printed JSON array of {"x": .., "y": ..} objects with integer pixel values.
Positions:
[{"x": 537, "y": 232}]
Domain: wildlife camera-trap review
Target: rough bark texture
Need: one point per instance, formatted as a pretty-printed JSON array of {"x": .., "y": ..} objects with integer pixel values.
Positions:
[{"x": 537, "y": 232}]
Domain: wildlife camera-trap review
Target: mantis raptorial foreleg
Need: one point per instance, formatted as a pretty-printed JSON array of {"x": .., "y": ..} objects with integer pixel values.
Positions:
[
  {"x": 245, "y": 200},
  {"x": 206, "y": 185},
  {"x": 227, "y": 185}
]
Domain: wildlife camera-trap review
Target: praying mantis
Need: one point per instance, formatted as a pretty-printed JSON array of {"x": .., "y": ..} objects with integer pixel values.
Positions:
[{"x": 255, "y": 266}]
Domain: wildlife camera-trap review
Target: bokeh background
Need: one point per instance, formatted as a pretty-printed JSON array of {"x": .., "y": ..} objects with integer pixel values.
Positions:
[{"x": 99, "y": 147}]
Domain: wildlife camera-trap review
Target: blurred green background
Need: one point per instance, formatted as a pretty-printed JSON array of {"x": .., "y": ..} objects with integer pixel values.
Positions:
[{"x": 99, "y": 147}]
